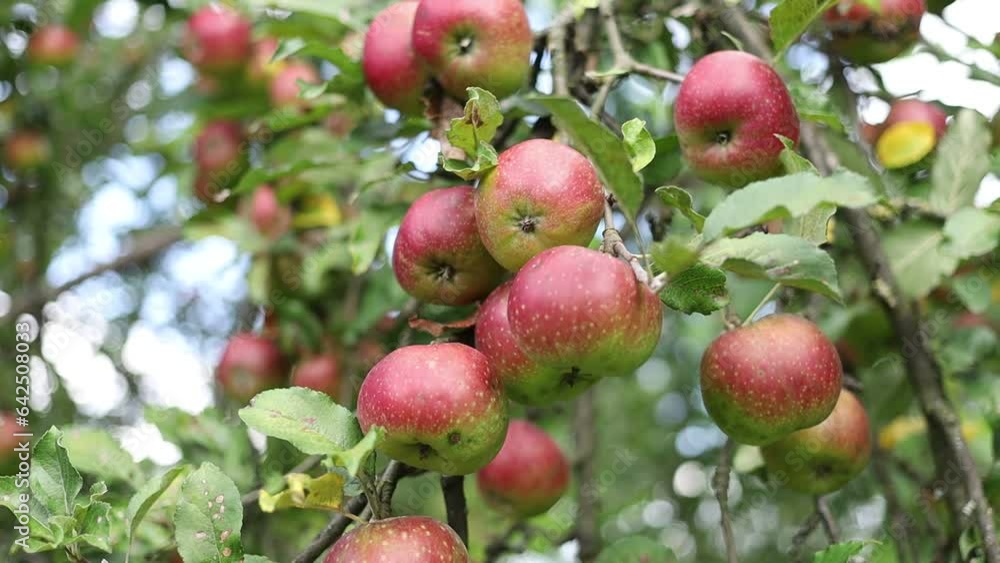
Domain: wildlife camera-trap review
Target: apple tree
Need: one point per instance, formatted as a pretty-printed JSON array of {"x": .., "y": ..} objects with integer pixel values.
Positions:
[{"x": 609, "y": 281}]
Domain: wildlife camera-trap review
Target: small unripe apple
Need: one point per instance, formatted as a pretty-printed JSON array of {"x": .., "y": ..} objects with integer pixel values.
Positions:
[
  {"x": 217, "y": 39},
  {"x": 541, "y": 194},
  {"x": 393, "y": 71},
  {"x": 528, "y": 476},
  {"x": 441, "y": 405},
  {"x": 438, "y": 256},
  {"x": 729, "y": 108},
  {"x": 864, "y": 35},
  {"x": 484, "y": 43},
  {"x": 583, "y": 312},
  {"x": 8, "y": 457},
  {"x": 55, "y": 45},
  {"x": 250, "y": 364},
  {"x": 823, "y": 458},
  {"x": 284, "y": 89},
  {"x": 524, "y": 379},
  {"x": 267, "y": 213},
  {"x": 413, "y": 539},
  {"x": 766, "y": 380},
  {"x": 906, "y": 111},
  {"x": 25, "y": 149},
  {"x": 220, "y": 147},
  {"x": 321, "y": 373}
]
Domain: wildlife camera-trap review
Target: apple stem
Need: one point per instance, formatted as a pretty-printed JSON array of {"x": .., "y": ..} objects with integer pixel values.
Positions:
[{"x": 720, "y": 482}]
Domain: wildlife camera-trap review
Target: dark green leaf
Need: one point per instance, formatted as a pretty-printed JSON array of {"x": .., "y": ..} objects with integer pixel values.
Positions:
[
  {"x": 54, "y": 480},
  {"x": 791, "y": 18},
  {"x": 700, "y": 289},
  {"x": 667, "y": 162},
  {"x": 680, "y": 199},
  {"x": 146, "y": 497}
]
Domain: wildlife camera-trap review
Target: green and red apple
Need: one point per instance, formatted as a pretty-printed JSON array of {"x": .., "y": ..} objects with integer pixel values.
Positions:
[
  {"x": 873, "y": 31},
  {"x": 528, "y": 476},
  {"x": 53, "y": 44},
  {"x": 413, "y": 539},
  {"x": 394, "y": 72}
]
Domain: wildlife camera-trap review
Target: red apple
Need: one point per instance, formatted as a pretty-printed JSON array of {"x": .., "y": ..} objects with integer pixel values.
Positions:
[
  {"x": 221, "y": 147},
  {"x": 250, "y": 364},
  {"x": 321, "y": 373},
  {"x": 8, "y": 442},
  {"x": 260, "y": 69},
  {"x": 55, "y": 45},
  {"x": 217, "y": 39},
  {"x": 906, "y": 111},
  {"x": 728, "y": 111},
  {"x": 484, "y": 43},
  {"x": 525, "y": 380},
  {"x": 823, "y": 458},
  {"x": 438, "y": 256},
  {"x": 864, "y": 35},
  {"x": 392, "y": 69},
  {"x": 541, "y": 194},
  {"x": 441, "y": 405},
  {"x": 583, "y": 312},
  {"x": 267, "y": 213},
  {"x": 284, "y": 89},
  {"x": 528, "y": 476},
  {"x": 766, "y": 380},
  {"x": 24, "y": 149},
  {"x": 413, "y": 539}
]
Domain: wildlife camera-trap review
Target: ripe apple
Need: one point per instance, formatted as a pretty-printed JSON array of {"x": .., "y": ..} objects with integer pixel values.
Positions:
[
  {"x": 823, "y": 458},
  {"x": 217, "y": 39},
  {"x": 728, "y": 111},
  {"x": 220, "y": 147},
  {"x": 524, "y": 379},
  {"x": 321, "y": 373},
  {"x": 864, "y": 35},
  {"x": 905, "y": 111},
  {"x": 24, "y": 149},
  {"x": 260, "y": 69},
  {"x": 583, "y": 312},
  {"x": 484, "y": 43},
  {"x": 250, "y": 364},
  {"x": 414, "y": 539},
  {"x": 441, "y": 405},
  {"x": 528, "y": 476},
  {"x": 393, "y": 71},
  {"x": 267, "y": 213},
  {"x": 284, "y": 89},
  {"x": 766, "y": 380},
  {"x": 55, "y": 45},
  {"x": 540, "y": 195},
  {"x": 438, "y": 256},
  {"x": 8, "y": 457}
]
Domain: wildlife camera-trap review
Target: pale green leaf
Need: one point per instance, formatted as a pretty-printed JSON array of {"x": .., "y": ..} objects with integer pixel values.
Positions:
[
  {"x": 961, "y": 163},
  {"x": 638, "y": 143},
  {"x": 147, "y": 495},
  {"x": 96, "y": 452},
  {"x": 791, "y": 18},
  {"x": 479, "y": 124},
  {"x": 209, "y": 517},
  {"x": 352, "y": 459},
  {"x": 971, "y": 232},
  {"x": 917, "y": 258},
  {"x": 310, "y": 420},
  {"x": 839, "y": 552}
]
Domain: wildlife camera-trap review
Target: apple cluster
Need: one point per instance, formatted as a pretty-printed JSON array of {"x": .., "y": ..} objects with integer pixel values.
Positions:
[
  {"x": 413, "y": 46},
  {"x": 777, "y": 383}
]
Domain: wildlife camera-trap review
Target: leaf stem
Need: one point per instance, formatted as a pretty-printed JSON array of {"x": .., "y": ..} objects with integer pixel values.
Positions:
[{"x": 764, "y": 301}]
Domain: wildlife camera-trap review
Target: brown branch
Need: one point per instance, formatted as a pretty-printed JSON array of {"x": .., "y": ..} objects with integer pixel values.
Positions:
[
  {"x": 802, "y": 535},
  {"x": 720, "y": 482},
  {"x": 144, "y": 248},
  {"x": 585, "y": 434},
  {"x": 828, "y": 520},
  {"x": 624, "y": 63},
  {"x": 453, "y": 487},
  {"x": 951, "y": 452}
]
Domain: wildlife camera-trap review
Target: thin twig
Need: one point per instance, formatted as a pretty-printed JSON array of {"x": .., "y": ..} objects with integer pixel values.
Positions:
[
  {"x": 800, "y": 537},
  {"x": 585, "y": 434},
  {"x": 720, "y": 482},
  {"x": 453, "y": 487},
  {"x": 828, "y": 520}
]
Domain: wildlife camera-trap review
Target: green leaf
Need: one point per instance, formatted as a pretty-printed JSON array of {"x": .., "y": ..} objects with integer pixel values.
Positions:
[
  {"x": 813, "y": 226},
  {"x": 636, "y": 549},
  {"x": 310, "y": 420},
  {"x": 786, "y": 197},
  {"x": 675, "y": 254},
  {"x": 144, "y": 499},
  {"x": 839, "y": 552},
  {"x": 256, "y": 559},
  {"x": 700, "y": 289},
  {"x": 681, "y": 200},
  {"x": 43, "y": 532},
  {"x": 480, "y": 123},
  {"x": 54, "y": 480},
  {"x": 667, "y": 161},
  {"x": 352, "y": 459},
  {"x": 209, "y": 517},
  {"x": 638, "y": 143},
  {"x": 971, "y": 232},
  {"x": 785, "y": 259},
  {"x": 917, "y": 258},
  {"x": 94, "y": 451},
  {"x": 325, "y": 492},
  {"x": 486, "y": 158},
  {"x": 94, "y": 524},
  {"x": 961, "y": 163},
  {"x": 319, "y": 7},
  {"x": 791, "y": 18},
  {"x": 367, "y": 236},
  {"x": 605, "y": 150},
  {"x": 814, "y": 105},
  {"x": 793, "y": 161},
  {"x": 974, "y": 291}
]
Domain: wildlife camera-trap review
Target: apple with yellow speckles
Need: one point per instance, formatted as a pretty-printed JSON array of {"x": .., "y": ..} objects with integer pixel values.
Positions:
[
  {"x": 583, "y": 313},
  {"x": 414, "y": 539},
  {"x": 528, "y": 476},
  {"x": 540, "y": 195},
  {"x": 766, "y": 380},
  {"x": 442, "y": 407},
  {"x": 823, "y": 458}
]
